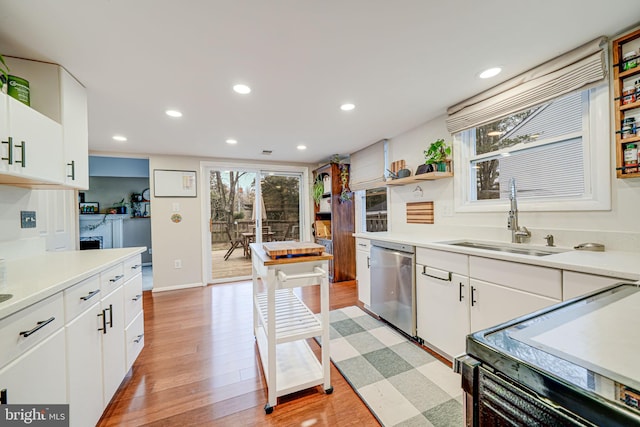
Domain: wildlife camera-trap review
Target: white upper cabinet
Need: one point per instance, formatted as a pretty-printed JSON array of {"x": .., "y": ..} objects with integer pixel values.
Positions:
[
  {"x": 46, "y": 143},
  {"x": 75, "y": 131}
]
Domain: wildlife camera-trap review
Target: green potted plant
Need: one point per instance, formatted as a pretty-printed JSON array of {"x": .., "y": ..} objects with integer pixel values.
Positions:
[{"x": 437, "y": 155}]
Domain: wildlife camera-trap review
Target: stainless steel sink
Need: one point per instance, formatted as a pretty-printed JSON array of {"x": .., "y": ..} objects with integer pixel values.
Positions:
[
  {"x": 521, "y": 250},
  {"x": 5, "y": 297}
]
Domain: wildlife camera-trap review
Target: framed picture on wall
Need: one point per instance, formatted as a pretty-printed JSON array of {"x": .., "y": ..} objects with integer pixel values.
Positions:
[{"x": 174, "y": 183}]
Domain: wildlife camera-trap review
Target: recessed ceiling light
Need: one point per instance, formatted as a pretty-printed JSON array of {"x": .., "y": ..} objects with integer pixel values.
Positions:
[
  {"x": 347, "y": 107},
  {"x": 301, "y": 147},
  {"x": 119, "y": 138},
  {"x": 490, "y": 72},
  {"x": 242, "y": 89},
  {"x": 173, "y": 113},
  {"x": 231, "y": 141},
  {"x": 494, "y": 133}
]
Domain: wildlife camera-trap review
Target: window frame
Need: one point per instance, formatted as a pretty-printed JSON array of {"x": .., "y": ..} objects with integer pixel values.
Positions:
[{"x": 597, "y": 156}]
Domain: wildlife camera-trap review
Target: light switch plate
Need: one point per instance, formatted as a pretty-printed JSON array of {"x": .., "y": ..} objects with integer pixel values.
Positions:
[{"x": 27, "y": 219}]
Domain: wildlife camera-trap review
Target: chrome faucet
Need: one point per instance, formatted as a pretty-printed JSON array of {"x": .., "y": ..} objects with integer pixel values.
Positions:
[{"x": 518, "y": 233}]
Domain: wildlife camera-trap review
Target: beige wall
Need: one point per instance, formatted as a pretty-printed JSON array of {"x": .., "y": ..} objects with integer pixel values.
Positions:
[
  {"x": 187, "y": 240},
  {"x": 618, "y": 228}
]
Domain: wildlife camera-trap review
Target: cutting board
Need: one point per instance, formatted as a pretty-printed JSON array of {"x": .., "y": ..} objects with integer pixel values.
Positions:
[
  {"x": 420, "y": 213},
  {"x": 288, "y": 249}
]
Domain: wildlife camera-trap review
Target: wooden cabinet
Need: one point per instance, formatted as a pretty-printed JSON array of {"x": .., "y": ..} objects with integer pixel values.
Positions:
[
  {"x": 363, "y": 270},
  {"x": 338, "y": 216},
  {"x": 626, "y": 106},
  {"x": 45, "y": 144}
]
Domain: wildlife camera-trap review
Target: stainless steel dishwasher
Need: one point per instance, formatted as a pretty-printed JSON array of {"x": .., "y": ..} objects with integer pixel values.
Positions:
[{"x": 393, "y": 284}]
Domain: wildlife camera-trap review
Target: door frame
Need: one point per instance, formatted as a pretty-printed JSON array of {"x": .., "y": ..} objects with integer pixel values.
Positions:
[{"x": 259, "y": 169}]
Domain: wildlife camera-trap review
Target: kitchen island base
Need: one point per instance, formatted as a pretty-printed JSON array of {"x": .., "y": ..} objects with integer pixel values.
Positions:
[{"x": 283, "y": 323}]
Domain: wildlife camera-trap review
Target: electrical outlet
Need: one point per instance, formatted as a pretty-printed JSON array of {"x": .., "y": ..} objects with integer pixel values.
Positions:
[
  {"x": 27, "y": 219},
  {"x": 176, "y": 207},
  {"x": 177, "y": 263},
  {"x": 447, "y": 209},
  {"x": 150, "y": 251}
]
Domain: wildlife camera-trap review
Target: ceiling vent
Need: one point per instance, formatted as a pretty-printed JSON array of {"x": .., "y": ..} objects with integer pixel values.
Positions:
[{"x": 267, "y": 152}]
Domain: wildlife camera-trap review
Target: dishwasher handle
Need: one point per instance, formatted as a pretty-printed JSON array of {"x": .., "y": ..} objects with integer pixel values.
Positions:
[{"x": 436, "y": 274}]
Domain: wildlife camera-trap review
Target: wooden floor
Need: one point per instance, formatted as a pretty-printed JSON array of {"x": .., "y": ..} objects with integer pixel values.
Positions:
[{"x": 200, "y": 367}]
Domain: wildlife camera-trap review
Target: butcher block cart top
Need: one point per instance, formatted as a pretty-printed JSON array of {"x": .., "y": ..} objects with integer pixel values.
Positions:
[{"x": 282, "y": 322}]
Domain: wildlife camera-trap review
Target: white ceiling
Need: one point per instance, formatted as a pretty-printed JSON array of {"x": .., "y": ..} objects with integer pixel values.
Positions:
[{"x": 401, "y": 62}]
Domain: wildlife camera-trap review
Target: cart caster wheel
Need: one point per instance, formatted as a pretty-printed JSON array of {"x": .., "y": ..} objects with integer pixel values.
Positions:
[
  {"x": 268, "y": 409},
  {"x": 329, "y": 390}
]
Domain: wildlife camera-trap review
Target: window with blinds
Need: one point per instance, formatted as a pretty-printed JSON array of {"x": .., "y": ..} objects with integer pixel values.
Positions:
[{"x": 548, "y": 148}]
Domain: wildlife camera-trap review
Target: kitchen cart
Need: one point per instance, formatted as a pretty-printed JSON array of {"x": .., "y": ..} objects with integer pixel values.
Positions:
[{"x": 282, "y": 322}]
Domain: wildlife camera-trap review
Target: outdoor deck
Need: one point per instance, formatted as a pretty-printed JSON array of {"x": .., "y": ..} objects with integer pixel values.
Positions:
[{"x": 237, "y": 265}]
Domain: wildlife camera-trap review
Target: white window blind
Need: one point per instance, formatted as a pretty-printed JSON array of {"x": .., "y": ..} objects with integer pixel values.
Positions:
[
  {"x": 367, "y": 167},
  {"x": 574, "y": 70}
]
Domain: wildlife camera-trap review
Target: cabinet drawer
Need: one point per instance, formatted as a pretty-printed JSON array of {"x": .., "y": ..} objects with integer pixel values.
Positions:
[
  {"x": 132, "y": 266},
  {"x": 443, "y": 260},
  {"x": 132, "y": 298},
  {"x": 80, "y": 297},
  {"x": 363, "y": 244},
  {"x": 135, "y": 339},
  {"x": 111, "y": 278},
  {"x": 575, "y": 284},
  {"x": 530, "y": 278},
  {"x": 38, "y": 322}
]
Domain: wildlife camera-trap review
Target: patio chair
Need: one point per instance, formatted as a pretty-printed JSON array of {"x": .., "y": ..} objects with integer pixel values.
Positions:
[{"x": 234, "y": 242}]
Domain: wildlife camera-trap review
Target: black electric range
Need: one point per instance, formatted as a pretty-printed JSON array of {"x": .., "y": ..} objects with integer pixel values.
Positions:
[{"x": 575, "y": 363}]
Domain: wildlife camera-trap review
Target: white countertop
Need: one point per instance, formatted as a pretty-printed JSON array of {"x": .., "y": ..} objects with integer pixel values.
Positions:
[
  {"x": 35, "y": 278},
  {"x": 624, "y": 265}
]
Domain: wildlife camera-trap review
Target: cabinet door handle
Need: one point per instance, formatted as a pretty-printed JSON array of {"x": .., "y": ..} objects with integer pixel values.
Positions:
[
  {"x": 445, "y": 277},
  {"x": 3, "y": 397},
  {"x": 90, "y": 295},
  {"x": 23, "y": 152},
  {"x": 473, "y": 296},
  {"x": 364, "y": 245},
  {"x": 138, "y": 339},
  {"x": 135, "y": 267},
  {"x": 368, "y": 262},
  {"x": 73, "y": 170},
  {"x": 116, "y": 278},
  {"x": 39, "y": 325},
  {"x": 136, "y": 298},
  {"x": 110, "y": 315},
  {"x": 104, "y": 321},
  {"x": 461, "y": 297},
  {"x": 9, "y": 150}
]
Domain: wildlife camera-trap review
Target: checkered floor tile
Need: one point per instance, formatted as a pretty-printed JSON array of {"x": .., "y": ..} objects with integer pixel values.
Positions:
[{"x": 402, "y": 384}]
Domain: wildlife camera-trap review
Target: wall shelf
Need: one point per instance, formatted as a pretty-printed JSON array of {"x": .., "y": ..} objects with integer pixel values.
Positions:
[
  {"x": 417, "y": 178},
  {"x": 622, "y": 78}
]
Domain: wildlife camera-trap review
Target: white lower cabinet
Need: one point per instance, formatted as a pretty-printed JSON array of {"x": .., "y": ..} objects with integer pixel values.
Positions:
[
  {"x": 84, "y": 359},
  {"x": 493, "y": 304},
  {"x": 575, "y": 284},
  {"x": 455, "y": 298},
  {"x": 443, "y": 313},
  {"x": 113, "y": 353},
  {"x": 134, "y": 335},
  {"x": 363, "y": 271}
]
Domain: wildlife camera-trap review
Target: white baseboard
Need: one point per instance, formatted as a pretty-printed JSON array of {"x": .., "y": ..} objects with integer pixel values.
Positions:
[{"x": 178, "y": 287}]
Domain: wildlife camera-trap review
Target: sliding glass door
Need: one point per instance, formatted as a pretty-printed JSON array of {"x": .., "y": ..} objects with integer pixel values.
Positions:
[{"x": 250, "y": 206}]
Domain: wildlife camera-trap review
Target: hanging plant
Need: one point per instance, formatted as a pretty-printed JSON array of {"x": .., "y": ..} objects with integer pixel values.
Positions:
[
  {"x": 318, "y": 190},
  {"x": 345, "y": 194}
]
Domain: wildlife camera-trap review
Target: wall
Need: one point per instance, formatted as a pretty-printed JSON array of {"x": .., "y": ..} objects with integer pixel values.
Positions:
[
  {"x": 186, "y": 240},
  {"x": 108, "y": 190},
  {"x": 618, "y": 229},
  {"x": 56, "y": 227}
]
